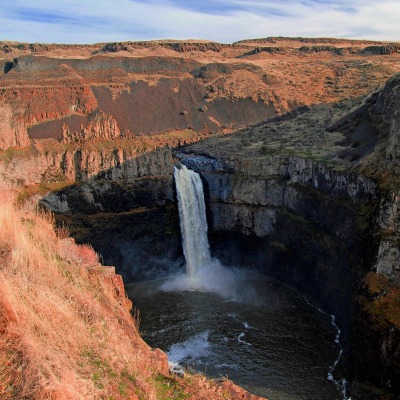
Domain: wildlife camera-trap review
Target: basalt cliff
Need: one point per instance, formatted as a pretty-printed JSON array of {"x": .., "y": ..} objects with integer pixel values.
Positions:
[{"x": 296, "y": 140}]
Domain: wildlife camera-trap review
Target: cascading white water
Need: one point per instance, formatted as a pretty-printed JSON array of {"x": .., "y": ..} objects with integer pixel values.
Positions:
[
  {"x": 202, "y": 272},
  {"x": 193, "y": 222}
]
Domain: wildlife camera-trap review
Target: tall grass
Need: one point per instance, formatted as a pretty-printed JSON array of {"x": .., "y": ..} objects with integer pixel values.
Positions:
[{"x": 63, "y": 334}]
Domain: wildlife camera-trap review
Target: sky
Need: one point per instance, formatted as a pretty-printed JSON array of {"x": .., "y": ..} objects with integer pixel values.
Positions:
[{"x": 226, "y": 21}]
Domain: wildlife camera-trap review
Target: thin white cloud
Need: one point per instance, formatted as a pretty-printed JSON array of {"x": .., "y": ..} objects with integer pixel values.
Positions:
[{"x": 88, "y": 21}]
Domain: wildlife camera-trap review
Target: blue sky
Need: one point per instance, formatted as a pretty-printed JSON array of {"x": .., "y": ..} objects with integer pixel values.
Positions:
[{"x": 90, "y": 21}]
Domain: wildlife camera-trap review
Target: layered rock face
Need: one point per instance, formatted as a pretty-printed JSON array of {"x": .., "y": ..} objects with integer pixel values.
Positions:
[
  {"x": 12, "y": 128},
  {"x": 121, "y": 194},
  {"x": 127, "y": 212}
]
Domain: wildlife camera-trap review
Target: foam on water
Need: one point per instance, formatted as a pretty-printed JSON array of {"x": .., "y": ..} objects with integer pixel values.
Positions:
[
  {"x": 341, "y": 384},
  {"x": 191, "y": 349},
  {"x": 240, "y": 339}
]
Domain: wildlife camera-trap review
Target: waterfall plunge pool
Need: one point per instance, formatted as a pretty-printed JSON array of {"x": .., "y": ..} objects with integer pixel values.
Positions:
[{"x": 279, "y": 346}]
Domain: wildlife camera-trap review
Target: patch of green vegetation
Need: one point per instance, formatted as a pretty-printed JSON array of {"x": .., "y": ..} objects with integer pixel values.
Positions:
[
  {"x": 168, "y": 388},
  {"x": 382, "y": 301},
  {"x": 295, "y": 217},
  {"x": 122, "y": 388},
  {"x": 41, "y": 189},
  {"x": 101, "y": 368},
  {"x": 128, "y": 376},
  {"x": 46, "y": 187},
  {"x": 12, "y": 153},
  {"x": 96, "y": 378}
]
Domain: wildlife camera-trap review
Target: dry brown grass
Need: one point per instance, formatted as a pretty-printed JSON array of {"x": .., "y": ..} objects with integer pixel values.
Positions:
[{"x": 63, "y": 334}]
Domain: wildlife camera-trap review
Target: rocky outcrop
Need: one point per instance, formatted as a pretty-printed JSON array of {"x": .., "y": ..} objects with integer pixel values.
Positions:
[
  {"x": 320, "y": 49},
  {"x": 12, "y": 128},
  {"x": 24, "y": 108},
  {"x": 86, "y": 67},
  {"x": 178, "y": 46},
  {"x": 266, "y": 49},
  {"x": 114, "y": 48},
  {"x": 388, "y": 259},
  {"x": 376, "y": 126},
  {"x": 101, "y": 126},
  {"x": 387, "y": 109},
  {"x": 382, "y": 50},
  {"x": 77, "y": 164}
]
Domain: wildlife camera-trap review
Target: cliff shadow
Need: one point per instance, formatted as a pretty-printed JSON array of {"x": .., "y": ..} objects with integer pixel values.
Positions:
[{"x": 126, "y": 211}]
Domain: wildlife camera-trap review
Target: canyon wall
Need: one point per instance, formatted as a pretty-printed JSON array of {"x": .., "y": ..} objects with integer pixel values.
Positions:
[
  {"x": 120, "y": 201},
  {"x": 293, "y": 218},
  {"x": 332, "y": 234}
]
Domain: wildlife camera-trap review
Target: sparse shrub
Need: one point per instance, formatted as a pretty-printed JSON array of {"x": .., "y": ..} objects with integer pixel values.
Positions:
[{"x": 86, "y": 254}]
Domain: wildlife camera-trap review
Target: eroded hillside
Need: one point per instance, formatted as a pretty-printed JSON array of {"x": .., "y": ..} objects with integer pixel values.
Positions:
[{"x": 104, "y": 91}]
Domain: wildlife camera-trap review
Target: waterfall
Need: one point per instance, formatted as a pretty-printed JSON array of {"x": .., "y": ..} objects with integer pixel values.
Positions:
[
  {"x": 202, "y": 272},
  {"x": 192, "y": 217}
]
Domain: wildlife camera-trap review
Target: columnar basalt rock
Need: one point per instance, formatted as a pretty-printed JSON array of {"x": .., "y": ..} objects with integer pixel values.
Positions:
[
  {"x": 77, "y": 164},
  {"x": 12, "y": 128},
  {"x": 101, "y": 126}
]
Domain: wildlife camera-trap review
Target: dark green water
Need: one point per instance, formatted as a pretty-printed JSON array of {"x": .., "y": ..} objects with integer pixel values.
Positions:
[{"x": 271, "y": 341}]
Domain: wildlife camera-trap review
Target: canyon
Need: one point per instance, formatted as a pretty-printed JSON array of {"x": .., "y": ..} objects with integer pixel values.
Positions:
[{"x": 296, "y": 141}]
